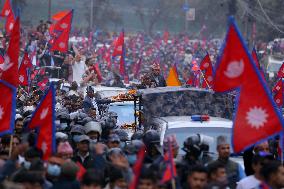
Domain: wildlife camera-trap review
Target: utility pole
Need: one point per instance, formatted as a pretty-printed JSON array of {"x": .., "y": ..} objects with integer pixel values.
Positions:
[
  {"x": 92, "y": 15},
  {"x": 249, "y": 25},
  {"x": 49, "y": 10},
  {"x": 232, "y": 7},
  {"x": 186, "y": 9}
]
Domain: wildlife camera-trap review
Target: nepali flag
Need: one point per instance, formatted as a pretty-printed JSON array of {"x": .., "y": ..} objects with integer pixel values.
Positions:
[
  {"x": 23, "y": 70},
  {"x": 170, "y": 173},
  {"x": 43, "y": 83},
  {"x": 278, "y": 96},
  {"x": 7, "y": 12},
  {"x": 64, "y": 23},
  {"x": 206, "y": 66},
  {"x": 7, "y": 108},
  {"x": 137, "y": 168},
  {"x": 118, "y": 45},
  {"x": 277, "y": 86},
  {"x": 7, "y": 9},
  {"x": 256, "y": 61},
  {"x": 256, "y": 112},
  {"x": 9, "y": 69},
  {"x": 61, "y": 31},
  {"x": 119, "y": 50},
  {"x": 57, "y": 17},
  {"x": 61, "y": 43},
  {"x": 280, "y": 73},
  {"x": 43, "y": 120},
  {"x": 10, "y": 21}
]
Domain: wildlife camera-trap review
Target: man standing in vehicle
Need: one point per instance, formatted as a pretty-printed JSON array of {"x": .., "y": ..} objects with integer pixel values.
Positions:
[{"x": 156, "y": 78}]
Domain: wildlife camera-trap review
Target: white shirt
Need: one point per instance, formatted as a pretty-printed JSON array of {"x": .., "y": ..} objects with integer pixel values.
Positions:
[
  {"x": 249, "y": 182},
  {"x": 78, "y": 69}
]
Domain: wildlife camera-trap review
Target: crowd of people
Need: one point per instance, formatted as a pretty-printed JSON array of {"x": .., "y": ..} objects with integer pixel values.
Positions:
[{"x": 92, "y": 150}]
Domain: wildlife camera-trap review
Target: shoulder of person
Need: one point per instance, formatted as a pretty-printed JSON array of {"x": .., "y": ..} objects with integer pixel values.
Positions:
[{"x": 233, "y": 162}]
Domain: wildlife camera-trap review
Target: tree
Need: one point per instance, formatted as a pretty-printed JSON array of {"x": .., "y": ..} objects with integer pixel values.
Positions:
[
  {"x": 19, "y": 4},
  {"x": 155, "y": 12},
  {"x": 103, "y": 14}
]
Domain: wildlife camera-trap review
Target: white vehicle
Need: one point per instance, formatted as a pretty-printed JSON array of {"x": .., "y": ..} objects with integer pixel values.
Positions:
[
  {"x": 184, "y": 126},
  {"x": 273, "y": 64}
]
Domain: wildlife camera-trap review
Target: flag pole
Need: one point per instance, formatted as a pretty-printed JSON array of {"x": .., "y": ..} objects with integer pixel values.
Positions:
[
  {"x": 281, "y": 139},
  {"x": 173, "y": 183},
  {"x": 205, "y": 79},
  {"x": 11, "y": 145},
  {"x": 281, "y": 148}
]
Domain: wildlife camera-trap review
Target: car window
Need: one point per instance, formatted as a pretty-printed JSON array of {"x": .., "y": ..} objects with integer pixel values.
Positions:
[
  {"x": 273, "y": 67},
  {"x": 125, "y": 113},
  {"x": 184, "y": 133}
]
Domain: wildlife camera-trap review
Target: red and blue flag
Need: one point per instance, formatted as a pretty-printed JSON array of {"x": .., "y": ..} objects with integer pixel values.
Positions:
[
  {"x": 170, "y": 173},
  {"x": 24, "y": 70},
  {"x": 119, "y": 50},
  {"x": 43, "y": 120},
  {"x": 7, "y": 108},
  {"x": 256, "y": 112},
  {"x": 207, "y": 68},
  {"x": 9, "y": 69},
  {"x": 137, "y": 168}
]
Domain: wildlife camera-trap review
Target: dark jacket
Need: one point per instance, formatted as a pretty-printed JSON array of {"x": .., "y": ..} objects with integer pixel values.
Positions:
[
  {"x": 87, "y": 103},
  {"x": 232, "y": 170},
  {"x": 89, "y": 161},
  {"x": 96, "y": 162},
  {"x": 64, "y": 184},
  {"x": 158, "y": 80}
]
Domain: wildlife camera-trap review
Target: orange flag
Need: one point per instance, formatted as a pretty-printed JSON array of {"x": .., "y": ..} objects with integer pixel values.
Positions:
[{"x": 172, "y": 79}]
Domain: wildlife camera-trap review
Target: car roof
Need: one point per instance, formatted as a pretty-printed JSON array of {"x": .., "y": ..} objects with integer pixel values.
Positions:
[
  {"x": 107, "y": 92},
  {"x": 185, "y": 121},
  {"x": 104, "y": 88},
  {"x": 168, "y": 89}
]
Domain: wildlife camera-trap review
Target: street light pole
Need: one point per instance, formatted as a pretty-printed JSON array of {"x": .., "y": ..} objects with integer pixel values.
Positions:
[
  {"x": 91, "y": 15},
  {"x": 49, "y": 10}
]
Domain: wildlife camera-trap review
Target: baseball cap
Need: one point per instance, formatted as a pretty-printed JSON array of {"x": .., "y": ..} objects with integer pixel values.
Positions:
[
  {"x": 82, "y": 138},
  {"x": 77, "y": 129}
]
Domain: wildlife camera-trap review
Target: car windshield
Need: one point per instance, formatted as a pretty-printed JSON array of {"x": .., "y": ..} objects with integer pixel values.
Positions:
[
  {"x": 125, "y": 113},
  {"x": 212, "y": 132},
  {"x": 273, "y": 67}
]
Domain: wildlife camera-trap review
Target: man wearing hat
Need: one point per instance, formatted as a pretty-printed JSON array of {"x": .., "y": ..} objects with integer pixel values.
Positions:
[
  {"x": 83, "y": 155},
  {"x": 88, "y": 104},
  {"x": 113, "y": 141},
  {"x": 234, "y": 170},
  {"x": 93, "y": 130},
  {"x": 156, "y": 78}
]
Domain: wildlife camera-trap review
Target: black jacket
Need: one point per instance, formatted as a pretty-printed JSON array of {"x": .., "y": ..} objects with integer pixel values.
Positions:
[{"x": 158, "y": 80}]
